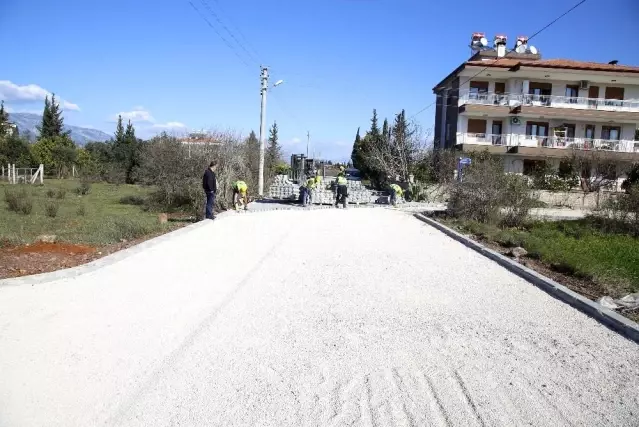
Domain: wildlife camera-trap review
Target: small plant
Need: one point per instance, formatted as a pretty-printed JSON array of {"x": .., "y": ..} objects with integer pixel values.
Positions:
[
  {"x": 130, "y": 229},
  {"x": 81, "y": 211},
  {"x": 84, "y": 188},
  {"x": 132, "y": 200},
  {"x": 50, "y": 193},
  {"x": 51, "y": 209},
  {"x": 60, "y": 193},
  {"x": 18, "y": 201}
]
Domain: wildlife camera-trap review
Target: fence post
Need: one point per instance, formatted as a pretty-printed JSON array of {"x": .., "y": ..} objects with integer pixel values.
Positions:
[
  {"x": 41, "y": 169},
  {"x": 9, "y": 172}
]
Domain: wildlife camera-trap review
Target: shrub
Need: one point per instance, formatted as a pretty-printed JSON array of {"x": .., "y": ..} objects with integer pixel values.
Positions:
[
  {"x": 633, "y": 178},
  {"x": 84, "y": 188},
  {"x": 18, "y": 200},
  {"x": 123, "y": 228},
  {"x": 488, "y": 195},
  {"x": 50, "y": 193},
  {"x": 51, "y": 209},
  {"x": 60, "y": 193},
  {"x": 81, "y": 210},
  {"x": 132, "y": 200},
  {"x": 621, "y": 212}
]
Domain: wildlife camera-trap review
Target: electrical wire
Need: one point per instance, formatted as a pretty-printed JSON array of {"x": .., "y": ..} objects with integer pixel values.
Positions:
[
  {"x": 545, "y": 27},
  {"x": 219, "y": 21},
  {"x": 239, "y": 31},
  {"x": 226, "y": 42}
]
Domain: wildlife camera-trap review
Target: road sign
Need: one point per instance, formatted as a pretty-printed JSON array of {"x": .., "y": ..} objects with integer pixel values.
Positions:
[{"x": 465, "y": 161}]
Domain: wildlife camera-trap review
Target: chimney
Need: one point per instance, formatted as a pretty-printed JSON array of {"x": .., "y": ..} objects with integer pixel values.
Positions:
[
  {"x": 521, "y": 45},
  {"x": 499, "y": 43}
]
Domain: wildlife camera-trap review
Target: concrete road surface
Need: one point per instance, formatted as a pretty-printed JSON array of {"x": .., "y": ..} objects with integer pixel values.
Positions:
[{"x": 364, "y": 317}]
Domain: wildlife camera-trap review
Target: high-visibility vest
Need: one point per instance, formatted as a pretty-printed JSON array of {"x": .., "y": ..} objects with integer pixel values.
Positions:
[
  {"x": 397, "y": 189},
  {"x": 341, "y": 180},
  {"x": 240, "y": 186},
  {"x": 310, "y": 183}
]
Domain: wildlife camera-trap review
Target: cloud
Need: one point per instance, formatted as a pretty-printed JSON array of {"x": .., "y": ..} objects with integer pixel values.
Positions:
[
  {"x": 136, "y": 115},
  {"x": 169, "y": 125},
  {"x": 295, "y": 140},
  {"x": 28, "y": 93}
]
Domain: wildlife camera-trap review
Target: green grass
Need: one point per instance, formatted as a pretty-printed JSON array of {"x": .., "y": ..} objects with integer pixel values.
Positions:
[
  {"x": 97, "y": 218},
  {"x": 578, "y": 248}
]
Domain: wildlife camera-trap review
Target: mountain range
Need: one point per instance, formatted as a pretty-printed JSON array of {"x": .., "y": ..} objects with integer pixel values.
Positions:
[{"x": 28, "y": 125}]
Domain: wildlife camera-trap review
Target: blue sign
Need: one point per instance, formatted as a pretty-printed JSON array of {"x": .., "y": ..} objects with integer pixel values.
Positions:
[{"x": 465, "y": 161}]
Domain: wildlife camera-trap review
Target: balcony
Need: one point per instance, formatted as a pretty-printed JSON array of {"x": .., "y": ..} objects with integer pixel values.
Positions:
[
  {"x": 513, "y": 100},
  {"x": 517, "y": 140}
]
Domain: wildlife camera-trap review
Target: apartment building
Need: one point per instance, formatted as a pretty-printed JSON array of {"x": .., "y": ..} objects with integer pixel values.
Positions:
[{"x": 527, "y": 109}]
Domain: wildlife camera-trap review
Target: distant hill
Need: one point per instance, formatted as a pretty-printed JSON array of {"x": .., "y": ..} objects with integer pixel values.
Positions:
[{"x": 29, "y": 122}]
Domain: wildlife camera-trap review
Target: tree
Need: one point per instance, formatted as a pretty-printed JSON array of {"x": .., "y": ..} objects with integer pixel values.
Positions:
[
  {"x": 119, "y": 132},
  {"x": 15, "y": 150},
  {"x": 52, "y": 120},
  {"x": 4, "y": 120},
  {"x": 358, "y": 155},
  {"x": 57, "y": 153},
  {"x": 253, "y": 157},
  {"x": 273, "y": 151}
]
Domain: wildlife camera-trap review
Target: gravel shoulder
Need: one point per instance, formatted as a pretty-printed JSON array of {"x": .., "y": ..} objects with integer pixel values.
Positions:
[{"x": 329, "y": 317}]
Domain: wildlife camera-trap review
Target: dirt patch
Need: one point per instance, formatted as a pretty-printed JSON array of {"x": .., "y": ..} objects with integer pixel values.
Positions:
[{"x": 41, "y": 257}]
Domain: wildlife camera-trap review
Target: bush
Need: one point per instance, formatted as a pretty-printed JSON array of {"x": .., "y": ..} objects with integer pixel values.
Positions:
[
  {"x": 60, "y": 193},
  {"x": 621, "y": 212},
  {"x": 488, "y": 195},
  {"x": 633, "y": 178},
  {"x": 132, "y": 200},
  {"x": 129, "y": 229},
  {"x": 18, "y": 201},
  {"x": 81, "y": 211},
  {"x": 51, "y": 209},
  {"x": 84, "y": 188},
  {"x": 50, "y": 193}
]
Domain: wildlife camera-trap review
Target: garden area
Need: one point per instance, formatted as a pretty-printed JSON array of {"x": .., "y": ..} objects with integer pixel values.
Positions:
[{"x": 67, "y": 222}]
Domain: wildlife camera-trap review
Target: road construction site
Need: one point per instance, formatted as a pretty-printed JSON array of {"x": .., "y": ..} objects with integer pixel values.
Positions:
[{"x": 327, "y": 317}]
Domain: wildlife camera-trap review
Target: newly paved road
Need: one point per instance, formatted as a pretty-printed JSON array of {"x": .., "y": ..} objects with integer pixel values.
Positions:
[{"x": 363, "y": 317}]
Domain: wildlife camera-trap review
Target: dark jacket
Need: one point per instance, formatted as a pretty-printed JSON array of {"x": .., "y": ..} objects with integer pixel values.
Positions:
[{"x": 209, "y": 183}]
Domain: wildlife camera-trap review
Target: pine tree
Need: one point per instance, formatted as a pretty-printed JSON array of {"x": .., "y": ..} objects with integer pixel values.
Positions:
[
  {"x": 46, "y": 128},
  {"x": 119, "y": 132},
  {"x": 131, "y": 153},
  {"x": 374, "y": 132},
  {"x": 253, "y": 155},
  {"x": 129, "y": 134},
  {"x": 57, "y": 119},
  {"x": 357, "y": 155},
  {"x": 4, "y": 120},
  {"x": 273, "y": 151}
]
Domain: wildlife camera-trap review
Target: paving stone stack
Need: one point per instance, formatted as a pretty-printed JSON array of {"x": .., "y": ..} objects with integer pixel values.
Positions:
[
  {"x": 283, "y": 188},
  {"x": 357, "y": 193}
]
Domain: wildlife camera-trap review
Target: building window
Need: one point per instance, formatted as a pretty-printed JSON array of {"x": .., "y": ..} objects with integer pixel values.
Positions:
[
  {"x": 478, "y": 90},
  {"x": 540, "y": 92},
  {"x": 572, "y": 93},
  {"x": 537, "y": 130},
  {"x": 614, "y": 96},
  {"x": 477, "y": 127},
  {"x": 611, "y": 132}
]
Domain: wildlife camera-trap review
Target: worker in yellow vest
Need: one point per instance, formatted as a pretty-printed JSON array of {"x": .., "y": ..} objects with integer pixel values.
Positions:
[
  {"x": 395, "y": 192},
  {"x": 341, "y": 193},
  {"x": 240, "y": 195},
  {"x": 310, "y": 189}
]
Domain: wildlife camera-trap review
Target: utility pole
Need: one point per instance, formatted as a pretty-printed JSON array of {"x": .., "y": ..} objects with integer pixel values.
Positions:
[
  {"x": 263, "y": 90},
  {"x": 308, "y": 139}
]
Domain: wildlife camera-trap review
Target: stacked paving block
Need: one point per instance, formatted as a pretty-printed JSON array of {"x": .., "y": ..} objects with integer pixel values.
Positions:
[{"x": 283, "y": 188}]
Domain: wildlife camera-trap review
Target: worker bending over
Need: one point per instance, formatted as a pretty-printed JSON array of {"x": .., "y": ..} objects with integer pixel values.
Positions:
[
  {"x": 341, "y": 193},
  {"x": 240, "y": 197},
  {"x": 311, "y": 184},
  {"x": 396, "y": 192}
]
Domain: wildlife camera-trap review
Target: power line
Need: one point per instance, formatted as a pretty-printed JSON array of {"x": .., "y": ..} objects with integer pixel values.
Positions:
[
  {"x": 230, "y": 46},
  {"x": 238, "y": 30},
  {"x": 502, "y": 57},
  {"x": 217, "y": 18}
]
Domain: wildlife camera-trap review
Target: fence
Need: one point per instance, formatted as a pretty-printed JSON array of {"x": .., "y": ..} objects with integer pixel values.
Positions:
[{"x": 22, "y": 175}]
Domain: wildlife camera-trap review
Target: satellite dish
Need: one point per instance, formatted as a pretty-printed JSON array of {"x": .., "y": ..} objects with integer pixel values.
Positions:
[
  {"x": 519, "y": 43},
  {"x": 533, "y": 50},
  {"x": 520, "y": 48},
  {"x": 483, "y": 41}
]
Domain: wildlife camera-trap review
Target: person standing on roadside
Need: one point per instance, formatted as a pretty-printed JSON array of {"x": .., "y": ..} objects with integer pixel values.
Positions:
[{"x": 209, "y": 183}]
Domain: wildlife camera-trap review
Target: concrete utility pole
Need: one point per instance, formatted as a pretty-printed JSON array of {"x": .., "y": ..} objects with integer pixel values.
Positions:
[
  {"x": 308, "y": 139},
  {"x": 263, "y": 90}
]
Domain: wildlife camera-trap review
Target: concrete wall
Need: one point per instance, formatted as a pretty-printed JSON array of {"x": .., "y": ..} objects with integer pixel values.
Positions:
[{"x": 573, "y": 199}]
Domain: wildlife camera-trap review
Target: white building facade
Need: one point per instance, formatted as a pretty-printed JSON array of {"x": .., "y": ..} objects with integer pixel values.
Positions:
[{"x": 514, "y": 104}]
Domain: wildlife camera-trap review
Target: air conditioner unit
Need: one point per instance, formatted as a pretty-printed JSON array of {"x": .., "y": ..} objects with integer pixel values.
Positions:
[
  {"x": 583, "y": 84},
  {"x": 515, "y": 120}
]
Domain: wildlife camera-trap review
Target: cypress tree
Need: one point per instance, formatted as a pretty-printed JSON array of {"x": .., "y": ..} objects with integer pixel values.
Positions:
[
  {"x": 56, "y": 118},
  {"x": 46, "y": 127},
  {"x": 119, "y": 132},
  {"x": 4, "y": 120},
  {"x": 273, "y": 151}
]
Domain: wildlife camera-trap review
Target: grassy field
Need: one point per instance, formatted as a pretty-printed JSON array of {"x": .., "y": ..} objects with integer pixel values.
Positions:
[
  {"x": 97, "y": 218},
  {"x": 577, "y": 248}
]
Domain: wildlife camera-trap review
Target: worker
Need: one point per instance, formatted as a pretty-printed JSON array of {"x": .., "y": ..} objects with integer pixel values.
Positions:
[
  {"x": 341, "y": 193},
  {"x": 240, "y": 197},
  {"x": 395, "y": 192},
  {"x": 310, "y": 189}
]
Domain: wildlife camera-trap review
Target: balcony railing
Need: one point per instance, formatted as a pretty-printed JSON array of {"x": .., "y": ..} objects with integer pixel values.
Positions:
[
  {"x": 511, "y": 99},
  {"x": 512, "y": 140}
]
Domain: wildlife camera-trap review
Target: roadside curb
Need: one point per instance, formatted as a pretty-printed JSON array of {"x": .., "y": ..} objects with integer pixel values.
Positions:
[{"x": 609, "y": 318}]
